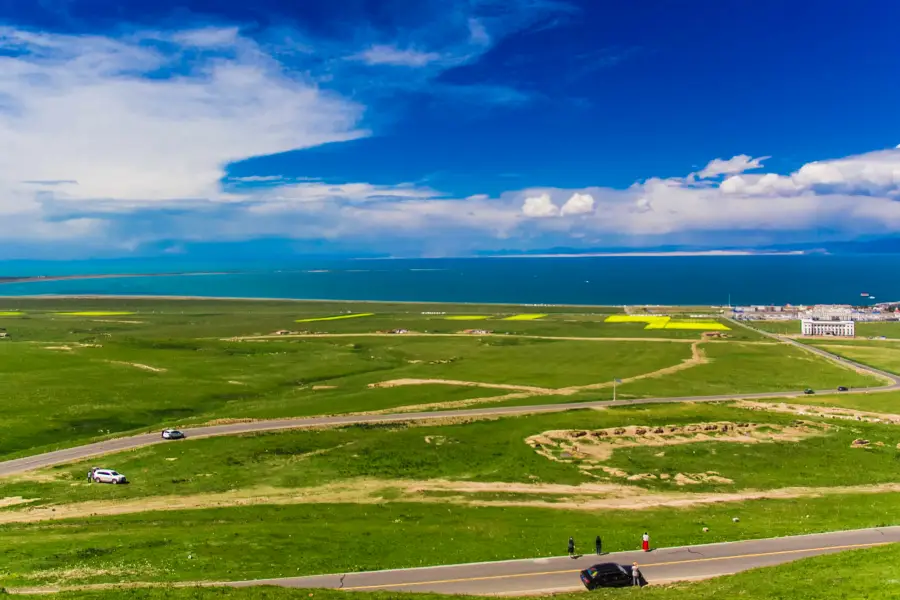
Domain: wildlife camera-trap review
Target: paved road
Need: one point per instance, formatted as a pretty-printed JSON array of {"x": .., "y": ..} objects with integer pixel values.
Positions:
[
  {"x": 561, "y": 573},
  {"x": 68, "y": 455}
]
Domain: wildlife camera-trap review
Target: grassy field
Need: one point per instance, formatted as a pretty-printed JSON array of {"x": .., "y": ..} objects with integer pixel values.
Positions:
[
  {"x": 882, "y": 355},
  {"x": 381, "y": 496},
  {"x": 102, "y": 372},
  {"x": 86, "y": 391},
  {"x": 492, "y": 453},
  {"x": 854, "y": 574},
  {"x": 750, "y": 368},
  {"x": 269, "y": 541}
]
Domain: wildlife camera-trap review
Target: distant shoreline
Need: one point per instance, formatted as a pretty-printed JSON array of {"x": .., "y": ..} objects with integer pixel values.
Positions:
[
  {"x": 37, "y": 278},
  {"x": 266, "y": 299}
]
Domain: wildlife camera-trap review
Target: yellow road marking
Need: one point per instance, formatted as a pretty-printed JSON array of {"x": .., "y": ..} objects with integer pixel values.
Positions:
[{"x": 644, "y": 566}]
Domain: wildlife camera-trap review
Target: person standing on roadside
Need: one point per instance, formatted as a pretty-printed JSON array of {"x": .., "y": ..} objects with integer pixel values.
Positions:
[
  {"x": 635, "y": 575},
  {"x": 599, "y": 544},
  {"x": 645, "y": 542},
  {"x": 572, "y": 547}
]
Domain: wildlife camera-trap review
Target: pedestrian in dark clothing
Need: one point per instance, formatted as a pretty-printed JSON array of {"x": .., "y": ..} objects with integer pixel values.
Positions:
[
  {"x": 599, "y": 544},
  {"x": 572, "y": 547}
]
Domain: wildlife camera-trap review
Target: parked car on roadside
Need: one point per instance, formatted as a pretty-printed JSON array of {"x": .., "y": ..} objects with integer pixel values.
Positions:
[
  {"x": 172, "y": 434},
  {"x": 608, "y": 575},
  {"x": 108, "y": 476}
]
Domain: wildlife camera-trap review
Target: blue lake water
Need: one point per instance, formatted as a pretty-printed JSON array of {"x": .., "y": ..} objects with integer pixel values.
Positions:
[{"x": 584, "y": 280}]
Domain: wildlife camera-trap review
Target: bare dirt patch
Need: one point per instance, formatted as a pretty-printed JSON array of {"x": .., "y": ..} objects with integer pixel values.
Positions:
[
  {"x": 324, "y": 387},
  {"x": 599, "y": 445},
  {"x": 138, "y": 366},
  {"x": 825, "y": 412},
  {"x": 15, "y": 501},
  {"x": 589, "y": 449},
  {"x": 592, "y": 497},
  {"x": 118, "y": 321}
]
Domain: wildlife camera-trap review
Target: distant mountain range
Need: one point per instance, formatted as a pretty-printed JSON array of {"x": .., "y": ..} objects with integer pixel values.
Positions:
[{"x": 875, "y": 246}]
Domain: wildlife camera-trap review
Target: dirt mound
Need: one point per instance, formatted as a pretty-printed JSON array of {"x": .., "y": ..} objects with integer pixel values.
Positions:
[{"x": 589, "y": 448}]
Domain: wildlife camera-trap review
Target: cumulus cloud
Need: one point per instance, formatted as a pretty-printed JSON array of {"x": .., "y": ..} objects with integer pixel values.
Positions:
[
  {"x": 540, "y": 206},
  {"x": 873, "y": 173},
  {"x": 578, "y": 204},
  {"x": 731, "y": 166},
  {"x": 135, "y": 119}
]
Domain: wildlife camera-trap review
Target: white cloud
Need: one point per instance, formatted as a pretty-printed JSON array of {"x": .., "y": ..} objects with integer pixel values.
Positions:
[
  {"x": 732, "y": 166},
  {"x": 82, "y": 108},
  {"x": 872, "y": 173},
  {"x": 540, "y": 206},
  {"x": 578, "y": 204},
  {"x": 393, "y": 56}
]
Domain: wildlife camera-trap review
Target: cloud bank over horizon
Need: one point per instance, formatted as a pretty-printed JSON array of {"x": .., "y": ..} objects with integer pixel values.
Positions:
[{"x": 117, "y": 142}]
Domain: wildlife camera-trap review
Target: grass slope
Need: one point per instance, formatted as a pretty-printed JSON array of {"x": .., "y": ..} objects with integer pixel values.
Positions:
[
  {"x": 736, "y": 367},
  {"x": 855, "y": 574},
  {"x": 483, "y": 451},
  {"x": 272, "y": 541}
]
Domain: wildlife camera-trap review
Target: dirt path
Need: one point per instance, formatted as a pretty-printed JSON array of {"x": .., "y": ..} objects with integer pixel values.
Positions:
[
  {"x": 467, "y": 335},
  {"x": 138, "y": 366},
  {"x": 698, "y": 357},
  {"x": 497, "y": 386},
  {"x": 368, "y": 491}
]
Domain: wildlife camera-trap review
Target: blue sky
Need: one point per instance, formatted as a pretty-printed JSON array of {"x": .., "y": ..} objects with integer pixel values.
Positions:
[{"x": 436, "y": 128}]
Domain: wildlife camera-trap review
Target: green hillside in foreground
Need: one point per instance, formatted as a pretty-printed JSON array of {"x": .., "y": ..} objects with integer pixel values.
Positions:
[{"x": 871, "y": 574}]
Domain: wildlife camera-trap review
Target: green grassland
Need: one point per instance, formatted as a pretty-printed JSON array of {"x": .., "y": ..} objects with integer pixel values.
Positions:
[
  {"x": 219, "y": 544},
  {"x": 84, "y": 392},
  {"x": 481, "y": 451},
  {"x": 167, "y": 364},
  {"x": 864, "y": 573},
  {"x": 785, "y": 327},
  {"x": 68, "y": 379},
  {"x": 750, "y": 368},
  {"x": 881, "y": 402},
  {"x": 881, "y": 355}
]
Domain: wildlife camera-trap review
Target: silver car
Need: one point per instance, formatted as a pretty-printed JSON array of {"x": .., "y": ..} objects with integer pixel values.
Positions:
[{"x": 108, "y": 476}]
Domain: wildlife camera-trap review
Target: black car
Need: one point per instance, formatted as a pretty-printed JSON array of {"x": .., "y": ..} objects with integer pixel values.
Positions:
[
  {"x": 809, "y": 391},
  {"x": 608, "y": 575},
  {"x": 842, "y": 388}
]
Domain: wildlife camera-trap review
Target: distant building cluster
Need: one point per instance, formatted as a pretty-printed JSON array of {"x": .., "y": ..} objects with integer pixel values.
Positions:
[
  {"x": 821, "y": 319},
  {"x": 818, "y": 312}
]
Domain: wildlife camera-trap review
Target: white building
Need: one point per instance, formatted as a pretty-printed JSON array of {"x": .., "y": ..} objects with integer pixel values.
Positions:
[
  {"x": 830, "y": 312},
  {"x": 835, "y": 328}
]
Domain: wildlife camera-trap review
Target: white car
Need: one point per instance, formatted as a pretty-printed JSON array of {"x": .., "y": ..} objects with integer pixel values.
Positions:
[
  {"x": 108, "y": 476},
  {"x": 172, "y": 434}
]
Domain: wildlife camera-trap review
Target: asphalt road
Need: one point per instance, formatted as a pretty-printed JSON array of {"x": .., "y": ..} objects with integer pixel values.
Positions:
[
  {"x": 546, "y": 575},
  {"x": 78, "y": 453}
]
